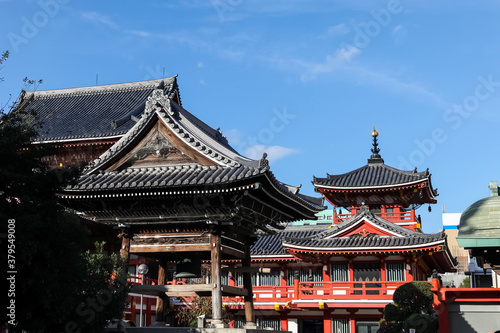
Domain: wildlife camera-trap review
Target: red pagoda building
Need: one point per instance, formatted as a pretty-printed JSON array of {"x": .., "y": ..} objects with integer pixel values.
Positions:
[{"x": 338, "y": 277}]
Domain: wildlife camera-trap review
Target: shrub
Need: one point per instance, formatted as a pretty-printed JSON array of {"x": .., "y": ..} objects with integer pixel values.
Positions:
[
  {"x": 389, "y": 327},
  {"x": 422, "y": 323},
  {"x": 392, "y": 313},
  {"x": 414, "y": 297}
]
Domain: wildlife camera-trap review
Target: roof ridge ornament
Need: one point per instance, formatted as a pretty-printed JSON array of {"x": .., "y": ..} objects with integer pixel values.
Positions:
[
  {"x": 157, "y": 101},
  {"x": 264, "y": 163},
  {"x": 375, "y": 157}
]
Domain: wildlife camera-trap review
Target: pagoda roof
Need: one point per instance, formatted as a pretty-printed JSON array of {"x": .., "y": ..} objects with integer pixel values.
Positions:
[
  {"x": 384, "y": 236},
  {"x": 365, "y": 232},
  {"x": 372, "y": 175},
  {"x": 376, "y": 176},
  {"x": 97, "y": 112}
]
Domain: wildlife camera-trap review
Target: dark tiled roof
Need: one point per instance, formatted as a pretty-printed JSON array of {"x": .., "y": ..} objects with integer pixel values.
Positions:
[
  {"x": 371, "y": 175},
  {"x": 365, "y": 243},
  {"x": 189, "y": 175},
  {"x": 163, "y": 177},
  {"x": 402, "y": 238},
  {"x": 92, "y": 112},
  {"x": 273, "y": 244},
  {"x": 191, "y": 130}
]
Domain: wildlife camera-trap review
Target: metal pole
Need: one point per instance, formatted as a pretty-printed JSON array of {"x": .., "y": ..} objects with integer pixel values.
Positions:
[{"x": 140, "y": 318}]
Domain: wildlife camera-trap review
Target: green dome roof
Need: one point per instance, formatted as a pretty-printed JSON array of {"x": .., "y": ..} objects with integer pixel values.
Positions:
[{"x": 480, "y": 224}]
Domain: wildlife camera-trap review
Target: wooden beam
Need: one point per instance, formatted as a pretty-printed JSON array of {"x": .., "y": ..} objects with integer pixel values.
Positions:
[
  {"x": 242, "y": 269},
  {"x": 169, "y": 248},
  {"x": 159, "y": 289},
  {"x": 233, "y": 252},
  {"x": 234, "y": 291}
]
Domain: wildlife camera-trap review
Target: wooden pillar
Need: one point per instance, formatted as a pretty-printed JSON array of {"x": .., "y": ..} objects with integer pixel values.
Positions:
[
  {"x": 125, "y": 249},
  {"x": 216, "y": 282},
  {"x": 133, "y": 309},
  {"x": 149, "y": 305},
  {"x": 162, "y": 301},
  {"x": 247, "y": 284}
]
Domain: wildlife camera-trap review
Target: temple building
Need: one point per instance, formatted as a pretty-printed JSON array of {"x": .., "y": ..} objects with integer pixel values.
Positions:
[
  {"x": 211, "y": 222},
  {"x": 173, "y": 186}
]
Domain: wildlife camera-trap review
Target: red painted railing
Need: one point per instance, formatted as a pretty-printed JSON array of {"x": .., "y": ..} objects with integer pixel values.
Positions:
[
  {"x": 328, "y": 290},
  {"x": 313, "y": 290},
  {"x": 397, "y": 217}
]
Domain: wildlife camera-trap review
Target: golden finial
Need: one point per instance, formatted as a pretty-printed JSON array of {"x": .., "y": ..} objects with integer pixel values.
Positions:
[{"x": 374, "y": 132}]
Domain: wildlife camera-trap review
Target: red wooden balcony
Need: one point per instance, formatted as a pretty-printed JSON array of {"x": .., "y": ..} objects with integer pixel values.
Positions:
[
  {"x": 399, "y": 217},
  {"x": 328, "y": 290}
]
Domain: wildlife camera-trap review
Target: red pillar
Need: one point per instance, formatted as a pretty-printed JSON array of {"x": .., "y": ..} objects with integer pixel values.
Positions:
[
  {"x": 284, "y": 321},
  {"x": 409, "y": 277},
  {"x": 352, "y": 320},
  {"x": 327, "y": 321},
  {"x": 382, "y": 276},
  {"x": 296, "y": 285}
]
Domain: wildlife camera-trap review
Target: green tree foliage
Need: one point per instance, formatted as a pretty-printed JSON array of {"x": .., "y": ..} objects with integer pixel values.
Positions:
[
  {"x": 412, "y": 308},
  {"x": 57, "y": 287},
  {"x": 465, "y": 283},
  {"x": 3, "y": 58}
]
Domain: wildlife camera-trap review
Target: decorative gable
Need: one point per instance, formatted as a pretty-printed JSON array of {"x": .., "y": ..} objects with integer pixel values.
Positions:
[
  {"x": 364, "y": 228},
  {"x": 158, "y": 147}
]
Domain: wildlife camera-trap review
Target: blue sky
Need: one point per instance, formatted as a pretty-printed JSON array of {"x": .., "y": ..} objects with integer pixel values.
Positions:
[{"x": 305, "y": 81}]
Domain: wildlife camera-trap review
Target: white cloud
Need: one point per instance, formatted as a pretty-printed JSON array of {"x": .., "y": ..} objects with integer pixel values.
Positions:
[
  {"x": 200, "y": 65},
  {"x": 399, "y": 33},
  {"x": 274, "y": 153},
  {"x": 103, "y": 19},
  {"x": 339, "y": 59},
  {"x": 386, "y": 81},
  {"x": 338, "y": 30},
  {"x": 140, "y": 33}
]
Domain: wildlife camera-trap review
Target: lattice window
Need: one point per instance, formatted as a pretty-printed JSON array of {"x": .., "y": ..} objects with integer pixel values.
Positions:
[
  {"x": 395, "y": 272},
  {"x": 340, "y": 272}
]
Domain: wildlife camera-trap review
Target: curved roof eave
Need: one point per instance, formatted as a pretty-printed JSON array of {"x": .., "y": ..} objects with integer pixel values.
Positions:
[{"x": 370, "y": 248}]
